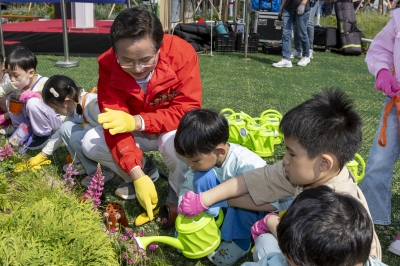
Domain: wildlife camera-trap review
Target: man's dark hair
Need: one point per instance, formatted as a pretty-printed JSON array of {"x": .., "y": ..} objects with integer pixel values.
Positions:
[
  {"x": 200, "y": 131},
  {"x": 135, "y": 24},
  {"x": 327, "y": 123},
  {"x": 21, "y": 57},
  {"x": 323, "y": 227}
]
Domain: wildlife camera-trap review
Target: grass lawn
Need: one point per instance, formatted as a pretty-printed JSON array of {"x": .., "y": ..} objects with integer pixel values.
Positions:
[{"x": 251, "y": 86}]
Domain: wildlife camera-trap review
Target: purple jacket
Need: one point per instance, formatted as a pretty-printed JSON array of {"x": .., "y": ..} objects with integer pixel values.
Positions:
[{"x": 384, "y": 51}]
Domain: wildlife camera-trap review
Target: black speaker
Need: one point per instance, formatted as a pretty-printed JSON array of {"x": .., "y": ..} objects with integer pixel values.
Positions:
[{"x": 267, "y": 25}]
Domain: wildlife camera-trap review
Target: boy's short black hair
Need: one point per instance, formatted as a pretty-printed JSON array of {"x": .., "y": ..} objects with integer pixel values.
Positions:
[
  {"x": 21, "y": 57},
  {"x": 327, "y": 123},
  {"x": 323, "y": 227},
  {"x": 200, "y": 131},
  {"x": 135, "y": 24}
]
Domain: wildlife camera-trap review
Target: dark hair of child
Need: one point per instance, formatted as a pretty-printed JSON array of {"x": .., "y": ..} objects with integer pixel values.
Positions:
[
  {"x": 200, "y": 131},
  {"x": 21, "y": 57},
  {"x": 57, "y": 88},
  {"x": 322, "y": 227},
  {"x": 327, "y": 123}
]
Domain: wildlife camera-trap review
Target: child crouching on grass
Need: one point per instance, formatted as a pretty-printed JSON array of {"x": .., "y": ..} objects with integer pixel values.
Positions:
[
  {"x": 341, "y": 235},
  {"x": 81, "y": 109},
  {"x": 321, "y": 135},
  {"x": 202, "y": 137}
]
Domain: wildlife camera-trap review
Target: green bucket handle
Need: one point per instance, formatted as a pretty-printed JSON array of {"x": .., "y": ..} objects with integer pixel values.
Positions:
[
  {"x": 218, "y": 222},
  {"x": 226, "y": 112},
  {"x": 245, "y": 117},
  {"x": 271, "y": 113}
]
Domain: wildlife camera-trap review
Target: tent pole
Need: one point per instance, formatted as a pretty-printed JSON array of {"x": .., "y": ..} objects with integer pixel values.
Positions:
[
  {"x": 65, "y": 63},
  {"x": 3, "y": 51},
  {"x": 247, "y": 27}
]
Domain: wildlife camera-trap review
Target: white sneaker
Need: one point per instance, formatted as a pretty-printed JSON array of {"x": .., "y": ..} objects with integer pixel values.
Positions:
[
  {"x": 295, "y": 54},
  {"x": 395, "y": 246},
  {"x": 304, "y": 61},
  {"x": 283, "y": 63}
]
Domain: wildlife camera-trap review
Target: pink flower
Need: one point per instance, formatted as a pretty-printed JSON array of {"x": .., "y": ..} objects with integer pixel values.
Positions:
[
  {"x": 125, "y": 256},
  {"x": 164, "y": 220},
  {"x": 6, "y": 152},
  {"x": 153, "y": 246},
  {"x": 95, "y": 189},
  {"x": 130, "y": 261},
  {"x": 141, "y": 233}
]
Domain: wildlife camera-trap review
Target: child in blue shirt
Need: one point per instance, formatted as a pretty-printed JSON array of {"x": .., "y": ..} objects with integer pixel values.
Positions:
[{"x": 202, "y": 137}]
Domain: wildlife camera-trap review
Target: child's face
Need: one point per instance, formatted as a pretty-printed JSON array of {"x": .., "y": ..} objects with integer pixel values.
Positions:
[
  {"x": 202, "y": 162},
  {"x": 21, "y": 76},
  {"x": 67, "y": 108},
  {"x": 300, "y": 169}
]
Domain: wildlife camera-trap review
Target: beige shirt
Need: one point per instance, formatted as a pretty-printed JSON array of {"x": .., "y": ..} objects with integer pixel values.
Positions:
[{"x": 270, "y": 183}]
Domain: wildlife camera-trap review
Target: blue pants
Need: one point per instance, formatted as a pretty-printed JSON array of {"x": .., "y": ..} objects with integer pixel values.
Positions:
[
  {"x": 310, "y": 29},
  {"x": 289, "y": 19},
  {"x": 377, "y": 182},
  {"x": 237, "y": 222}
]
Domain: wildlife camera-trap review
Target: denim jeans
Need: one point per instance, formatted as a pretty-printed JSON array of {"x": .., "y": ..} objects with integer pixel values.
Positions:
[
  {"x": 377, "y": 182},
  {"x": 289, "y": 18},
  {"x": 310, "y": 29}
]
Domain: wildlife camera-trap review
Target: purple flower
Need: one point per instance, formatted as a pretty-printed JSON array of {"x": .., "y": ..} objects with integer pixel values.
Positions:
[
  {"x": 69, "y": 181},
  {"x": 113, "y": 230},
  {"x": 164, "y": 220},
  {"x": 153, "y": 246},
  {"x": 125, "y": 256},
  {"x": 95, "y": 189},
  {"x": 130, "y": 261},
  {"x": 141, "y": 233}
]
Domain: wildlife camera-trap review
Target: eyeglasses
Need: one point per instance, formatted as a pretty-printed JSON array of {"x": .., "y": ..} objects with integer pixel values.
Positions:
[{"x": 140, "y": 65}]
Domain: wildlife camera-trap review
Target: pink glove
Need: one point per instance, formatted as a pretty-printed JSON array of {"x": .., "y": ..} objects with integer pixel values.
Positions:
[
  {"x": 260, "y": 227},
  {"x": 191, "y": 205},
  {"x": 26, "y": 95},
  {"x": 387, "y": 83}
]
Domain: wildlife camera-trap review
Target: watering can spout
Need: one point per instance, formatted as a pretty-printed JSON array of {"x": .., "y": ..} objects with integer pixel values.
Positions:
[{"x": 144, "y": 241}]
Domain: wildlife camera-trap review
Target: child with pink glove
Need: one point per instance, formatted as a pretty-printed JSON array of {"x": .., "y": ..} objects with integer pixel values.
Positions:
[
  {"x": 26, "y": 86},
  {"x": 383, "y": 60},
  {"x": 321, "y": 136}
]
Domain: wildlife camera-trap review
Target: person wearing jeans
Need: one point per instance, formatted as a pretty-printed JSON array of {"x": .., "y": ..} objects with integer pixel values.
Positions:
[
  {"x": 297, "y": 53},
  {"x": 294, "y": 11}
]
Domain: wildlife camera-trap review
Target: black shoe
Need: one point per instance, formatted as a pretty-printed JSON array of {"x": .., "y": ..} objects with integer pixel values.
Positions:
[{"x": 38, "y": 142}]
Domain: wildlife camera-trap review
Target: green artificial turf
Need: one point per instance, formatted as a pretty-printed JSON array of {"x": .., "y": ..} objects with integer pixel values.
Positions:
[{"x": 253, "y": 86}]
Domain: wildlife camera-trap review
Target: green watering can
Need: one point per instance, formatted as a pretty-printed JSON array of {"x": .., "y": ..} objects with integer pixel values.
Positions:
[
  {"x": 353, "y": 166},
  {"x": 261, "y": 140},
  {"x": 274, "y": 118},
  {"x": 197, "y": 236},
  {"x": 237, "y": 127}
]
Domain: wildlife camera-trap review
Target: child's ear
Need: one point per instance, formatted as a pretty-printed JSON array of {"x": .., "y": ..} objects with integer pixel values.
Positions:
[
  {"x": 220, "y": 149},
  {"x": 31, "y": 72},
  {"x": 326, "y": 162}
]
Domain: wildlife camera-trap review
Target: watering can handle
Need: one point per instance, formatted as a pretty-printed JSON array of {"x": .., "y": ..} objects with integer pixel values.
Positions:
[
  {"x": 360, "y": 159},
  {"x": 220, "y": 219},
  {"x": 271, "y": 112},
  {"x": 244, "y": 116},
  {"x": 227, "y": 110}
]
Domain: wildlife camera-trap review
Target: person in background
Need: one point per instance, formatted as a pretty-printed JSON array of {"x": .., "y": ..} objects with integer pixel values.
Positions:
[
  {"x": 291, "y": 12},
  {"x": 383, "y": 61},
  {"x": 147, "y": 81}
]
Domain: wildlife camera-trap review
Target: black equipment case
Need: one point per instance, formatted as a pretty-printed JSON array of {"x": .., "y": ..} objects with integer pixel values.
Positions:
[
  {"x": 349, "y": 34},
  {"x": 267, "y": 25},
  {"x": 326, "y": 36}
]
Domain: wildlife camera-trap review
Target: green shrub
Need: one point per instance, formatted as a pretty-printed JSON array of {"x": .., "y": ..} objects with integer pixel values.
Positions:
[{"x": 48, "y": 227}]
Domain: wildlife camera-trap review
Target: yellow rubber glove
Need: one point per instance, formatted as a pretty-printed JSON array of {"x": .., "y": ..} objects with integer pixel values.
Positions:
[
  {"x": 146, "y": 194},
  {"x": 26, "y": 166},
  {"x": 36, "y": 160},
  {"x": 143, "y": 218},
  {"x": 116, "y": 121}
]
